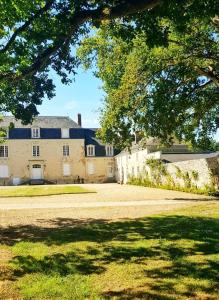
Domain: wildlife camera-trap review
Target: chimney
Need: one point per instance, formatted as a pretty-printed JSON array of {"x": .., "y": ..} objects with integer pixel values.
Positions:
[{"x": 79, "y": 120}]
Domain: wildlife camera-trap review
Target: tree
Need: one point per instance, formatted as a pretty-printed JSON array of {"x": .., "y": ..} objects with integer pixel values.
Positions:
[
  {"x": 37, "y": 36},
  {"x": 165, "y": 88}
]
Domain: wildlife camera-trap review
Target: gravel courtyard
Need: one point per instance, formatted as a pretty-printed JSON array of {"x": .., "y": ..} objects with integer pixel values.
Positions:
[{"x": 111, "y": 201}]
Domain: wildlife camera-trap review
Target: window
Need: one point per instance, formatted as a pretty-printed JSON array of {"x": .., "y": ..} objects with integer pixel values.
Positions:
[
  {"x": 66, "y": 170},
  {"x": 3, "y": 151},
  {"x": 65, "y": 133},
  {"x": 90, "y": 168},
  {"x": 66, "y": 150},
  {"x": 36, "y": 150},
  {"x": 35, "y": 133},
  {"x": 4, "y": 172},
  {"x": 109, "y": 150},
  {"x": 90, "y": 150}
]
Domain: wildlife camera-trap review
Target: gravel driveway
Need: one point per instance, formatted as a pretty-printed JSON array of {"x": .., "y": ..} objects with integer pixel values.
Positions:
[{"x": 111, "y": 201}]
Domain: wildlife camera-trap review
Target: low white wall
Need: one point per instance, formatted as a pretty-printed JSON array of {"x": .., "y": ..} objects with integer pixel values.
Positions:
[
  {"x": 199, "y": 165},
  {"x": 133, "y": 164}
]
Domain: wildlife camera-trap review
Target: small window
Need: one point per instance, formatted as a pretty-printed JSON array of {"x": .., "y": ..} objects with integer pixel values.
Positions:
[
  {"x": 3, "y": 151},
  {"x": 66, "y": 170},
  {"x": 90, "y": 168},
  {"x": 36, "y": 150},
  {"x": 4, "y": 172},
  {"x": 36, "y": 166},
  {"x": 66, "y": 150},
  {"x": 109, "y": 150},
  {"x": 35, "y": 133},
  {"x": 65, "y": 133},
  {"x": 90, "y": 150}
]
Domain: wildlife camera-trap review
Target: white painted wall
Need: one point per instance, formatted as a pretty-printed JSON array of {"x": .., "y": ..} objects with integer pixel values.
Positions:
[{"x": 133, "y": 164}]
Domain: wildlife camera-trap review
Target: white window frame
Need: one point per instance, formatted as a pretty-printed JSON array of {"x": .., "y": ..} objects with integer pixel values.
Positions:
[
  {"x": 90, "y": 150},
  {"x": 36, "y": 150},
  {"x": 65, "y": 133},
  {"x": 109, "y": 150},
  {"x": 3, "y": 151},
  {"x": 35, "y": 133},
  {"x": 65, "y": 150},
  {"x": 66, "y": 171}
]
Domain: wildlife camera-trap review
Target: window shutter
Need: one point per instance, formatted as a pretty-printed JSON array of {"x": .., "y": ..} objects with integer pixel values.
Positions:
[
  {"x": 66, "y": 170},
  {"x": 90, "y": 168},
  {"x": 4, "y": 172}
]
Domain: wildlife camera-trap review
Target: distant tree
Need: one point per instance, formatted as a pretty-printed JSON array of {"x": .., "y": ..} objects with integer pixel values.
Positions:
[
  {"x": 37, "y": 36},
  {"x": 165, "y": 86}
]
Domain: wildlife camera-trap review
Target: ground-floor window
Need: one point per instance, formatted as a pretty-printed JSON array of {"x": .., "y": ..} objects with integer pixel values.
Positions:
[
  {"x": 90, "y": 168},
  {"x": 4, "y": 171},
  {"x": 66, "y": 169}
]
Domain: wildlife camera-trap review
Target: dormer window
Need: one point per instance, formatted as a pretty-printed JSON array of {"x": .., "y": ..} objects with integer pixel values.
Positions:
[
  {"x": 65, "y": 133},
  {"x": 35, "y": 133},
  {"x": 90, "y": 150},
  {"x": 109, "y": 150}
]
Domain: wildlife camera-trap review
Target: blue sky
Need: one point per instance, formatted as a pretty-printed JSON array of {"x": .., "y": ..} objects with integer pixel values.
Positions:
[{"x": 83, "y": 96}]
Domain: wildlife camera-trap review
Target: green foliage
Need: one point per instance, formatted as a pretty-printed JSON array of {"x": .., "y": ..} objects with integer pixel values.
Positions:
[
  {"x": 152, "y": 51},
  {"x": 195, "y": 175},
  {"x": 160, "y": 178},
  {"x": 164, "y": 85}
]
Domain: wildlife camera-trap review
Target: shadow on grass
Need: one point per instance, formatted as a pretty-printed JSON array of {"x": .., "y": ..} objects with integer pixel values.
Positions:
[{"x": 124, "y": 242}]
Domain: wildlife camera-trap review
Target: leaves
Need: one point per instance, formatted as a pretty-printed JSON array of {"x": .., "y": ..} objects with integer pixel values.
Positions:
[{"x": 166, "y": 91}]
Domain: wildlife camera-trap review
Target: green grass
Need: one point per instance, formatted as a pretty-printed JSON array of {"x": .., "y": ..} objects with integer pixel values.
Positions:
[
  {"x": 31, "y": 191},
  {"x": 168, "y": 256}
]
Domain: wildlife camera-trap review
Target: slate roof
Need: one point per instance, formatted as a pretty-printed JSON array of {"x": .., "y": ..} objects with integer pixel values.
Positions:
[{"x": 42, "y": 122}]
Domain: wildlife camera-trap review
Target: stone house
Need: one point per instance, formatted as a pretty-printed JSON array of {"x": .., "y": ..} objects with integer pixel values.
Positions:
[{"x": 55, "y": 149}]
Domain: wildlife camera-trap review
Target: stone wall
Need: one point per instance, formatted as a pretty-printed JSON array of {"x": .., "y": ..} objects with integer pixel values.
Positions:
[{"x": 197, "y": 166}]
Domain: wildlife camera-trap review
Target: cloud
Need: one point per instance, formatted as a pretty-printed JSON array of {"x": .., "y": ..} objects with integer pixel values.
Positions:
[{"x": 70, "y": 105}]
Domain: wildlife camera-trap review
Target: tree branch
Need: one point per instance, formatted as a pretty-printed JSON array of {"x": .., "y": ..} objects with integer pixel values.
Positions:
[
  {"x": 26, "y": 25},
  {"x": 100, "y": 14},
  {"x": 209, "y": 74}
]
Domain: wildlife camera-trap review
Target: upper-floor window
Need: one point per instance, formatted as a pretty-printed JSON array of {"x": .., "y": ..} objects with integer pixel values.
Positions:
[
  {"x": 4, "y": 151},
  {"x": 90, "y": 150},
  {"x": 65, "y": 133},
  {"x": 109, "y": 150},
  {"x": 36, "y": 150},
  {"x": 66, "y": 150},
  {"x": 35, "y": 133}
]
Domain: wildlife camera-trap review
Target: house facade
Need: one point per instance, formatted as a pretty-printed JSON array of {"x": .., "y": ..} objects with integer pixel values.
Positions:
[{"x": 55, "y": 149}]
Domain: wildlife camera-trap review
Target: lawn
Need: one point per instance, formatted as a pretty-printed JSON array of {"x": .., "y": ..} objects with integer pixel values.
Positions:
[
  {"x": 168, "y": 256},
  {"x": 31, "y": 191}
]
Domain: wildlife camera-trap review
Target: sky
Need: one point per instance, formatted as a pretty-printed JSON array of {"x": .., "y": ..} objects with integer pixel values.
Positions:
[{"x": 84, "y": 96}]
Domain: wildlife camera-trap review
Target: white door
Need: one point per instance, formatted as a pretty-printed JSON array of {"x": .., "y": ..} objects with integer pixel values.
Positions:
[{"x": 37, "y": 172}]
